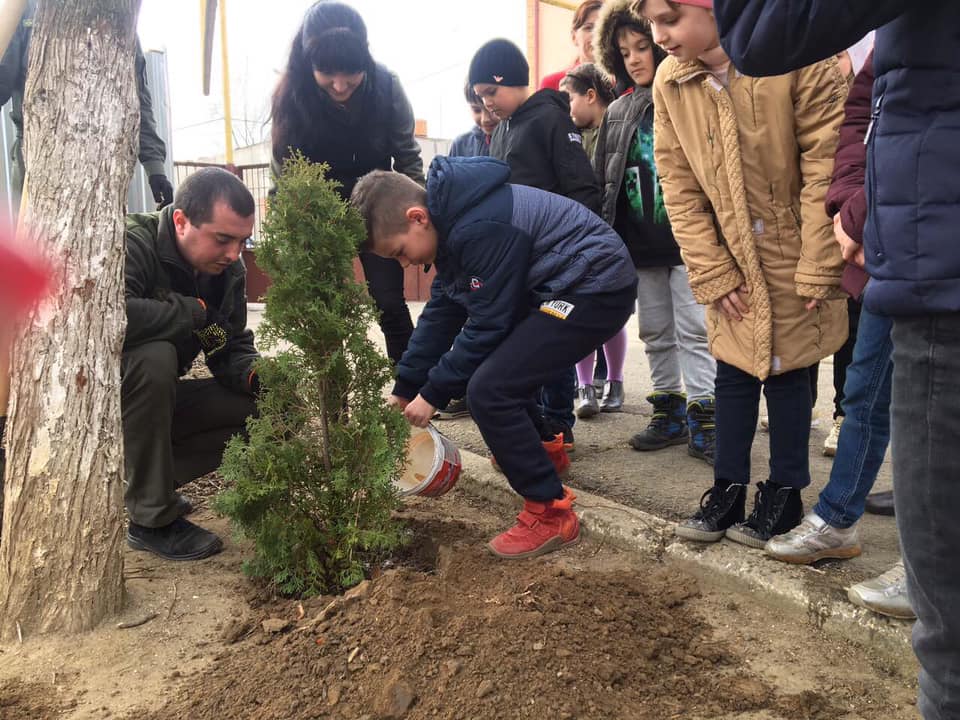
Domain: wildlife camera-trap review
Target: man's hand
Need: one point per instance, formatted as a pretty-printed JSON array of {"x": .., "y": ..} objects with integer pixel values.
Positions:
[
  {"x": 812, "y": 304},
  {"x": 214, "y": 335},
  {"x": 397, "y": 402},
  {"x": 162, "y": 190},
  {"x": 851, "y": 250},
  {"x": 419, "y": 412},
  {"x": 733, "y": 304}
]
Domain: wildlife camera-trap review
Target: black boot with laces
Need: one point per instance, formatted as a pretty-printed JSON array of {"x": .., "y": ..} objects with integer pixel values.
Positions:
[
  {"x": 777, "y": 510},
  {"x": 721, "y": 507}
]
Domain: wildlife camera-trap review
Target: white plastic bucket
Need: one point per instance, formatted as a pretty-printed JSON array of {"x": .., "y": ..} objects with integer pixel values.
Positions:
[{"x": 433, "y": 464}]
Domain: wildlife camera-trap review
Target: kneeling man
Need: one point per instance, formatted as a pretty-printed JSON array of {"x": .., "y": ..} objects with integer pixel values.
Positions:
[{"x": 185, "y": 292}]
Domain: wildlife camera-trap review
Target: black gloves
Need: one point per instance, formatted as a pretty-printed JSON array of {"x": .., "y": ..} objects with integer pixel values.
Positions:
[
  {"x": 214, "y": 334},
  {"x": 162, "y": 190}
]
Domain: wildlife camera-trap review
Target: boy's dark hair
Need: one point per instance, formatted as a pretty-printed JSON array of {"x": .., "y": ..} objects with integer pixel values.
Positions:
[
  {"x": 589, "y": 77},
  {"x": 332, "y": 38},
  {"x": 469, "y": 95},
  {"x": 382, "y": 198},
  {"x": 616, "y": 17},
  {"x": 197, "y": 195},
  {"x": 583, "y": 12}
]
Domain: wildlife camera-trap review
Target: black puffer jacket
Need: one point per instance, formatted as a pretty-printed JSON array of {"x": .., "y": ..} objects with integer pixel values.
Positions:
[
  {"x": 650, "y": 245},
  {"x": 544, "y": 149}
]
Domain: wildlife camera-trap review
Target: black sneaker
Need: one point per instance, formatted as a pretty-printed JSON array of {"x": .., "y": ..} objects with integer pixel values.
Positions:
[
  {"x": 776, "y": 510},
  {"x": 719, "y": 509},
  {"x": 454, "y": 409},
  {"x": 180, "y": 540}
]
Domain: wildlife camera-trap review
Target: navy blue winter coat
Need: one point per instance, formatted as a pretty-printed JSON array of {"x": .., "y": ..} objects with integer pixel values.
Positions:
[
  {"x": 912, "y": 235},
  {"x": 503, "y": 249}
]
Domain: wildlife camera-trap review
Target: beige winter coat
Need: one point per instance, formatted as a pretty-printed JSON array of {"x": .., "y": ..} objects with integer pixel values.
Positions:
[{"x": 744, "y": 171}]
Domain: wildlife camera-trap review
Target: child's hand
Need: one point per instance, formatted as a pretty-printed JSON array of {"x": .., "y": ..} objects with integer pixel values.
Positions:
[
  {"x": 733, "y": 304},
  {"x": 398, "y": 402},
  {"x": 812, "y": 304},
  {"x": 419, "y": 412},
  {"x": 851, "y": 250}
]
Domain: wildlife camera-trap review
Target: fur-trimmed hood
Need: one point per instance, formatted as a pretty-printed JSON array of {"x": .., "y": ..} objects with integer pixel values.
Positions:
[{"x": 614, "y": 14}]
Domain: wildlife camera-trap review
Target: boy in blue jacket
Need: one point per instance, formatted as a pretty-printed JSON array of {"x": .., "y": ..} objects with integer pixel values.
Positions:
[{"x": 527, "y": 282}]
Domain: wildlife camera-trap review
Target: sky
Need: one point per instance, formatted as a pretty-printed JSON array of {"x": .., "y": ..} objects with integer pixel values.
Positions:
[{"x": 428, "y": 43}]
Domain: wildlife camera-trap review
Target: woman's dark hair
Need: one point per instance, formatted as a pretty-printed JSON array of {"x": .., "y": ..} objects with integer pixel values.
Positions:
[
  {"x": 583, "y": 12},
  {"x": 331, "y": 39},
  {"x": 589, "y": 77},
  {"x": 197, "y": 195}
]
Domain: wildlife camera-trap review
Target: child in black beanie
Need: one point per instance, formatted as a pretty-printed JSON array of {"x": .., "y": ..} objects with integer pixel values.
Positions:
[{"x": 544, "y": 149}]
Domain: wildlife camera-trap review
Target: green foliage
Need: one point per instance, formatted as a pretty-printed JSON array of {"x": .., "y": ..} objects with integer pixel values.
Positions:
[{"x": 312, "y": 485}]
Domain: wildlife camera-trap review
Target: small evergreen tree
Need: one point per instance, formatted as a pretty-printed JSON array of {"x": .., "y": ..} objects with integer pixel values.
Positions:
[{"x": 312, "y": 485}]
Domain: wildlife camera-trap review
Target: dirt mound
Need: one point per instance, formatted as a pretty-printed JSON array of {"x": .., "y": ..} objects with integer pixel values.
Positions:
[
  {"x": 29, "y": 701},
  {"x": 478, "y": 639}
]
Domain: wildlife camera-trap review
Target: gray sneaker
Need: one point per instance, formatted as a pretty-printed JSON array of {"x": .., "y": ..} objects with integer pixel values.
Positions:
[
  {"x": 886, "y": 594},
  {"x": 814, "y": 540}
]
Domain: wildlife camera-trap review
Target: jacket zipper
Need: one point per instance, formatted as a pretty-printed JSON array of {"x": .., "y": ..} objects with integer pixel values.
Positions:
[
  {"x": 871, "y": 174},
  {"x": 874, "y": 116}
]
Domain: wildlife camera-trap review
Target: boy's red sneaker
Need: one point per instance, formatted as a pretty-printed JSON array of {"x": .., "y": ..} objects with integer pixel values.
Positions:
[
  {"x": 555, "y": 451},
  {"x": 541, "y": 527}
]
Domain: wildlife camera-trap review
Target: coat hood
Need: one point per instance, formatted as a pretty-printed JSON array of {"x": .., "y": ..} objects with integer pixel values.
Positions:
[
  {"x": 614, "y": 15},
  {"x": 455, "y": 184},
  {"x": 540, "y": 99}
]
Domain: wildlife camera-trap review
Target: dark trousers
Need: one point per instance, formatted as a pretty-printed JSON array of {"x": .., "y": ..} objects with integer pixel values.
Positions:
[
  {"x": 925, "y": 427},
  {"x": 502, "y": 391},
  {"x": 385, "y": 285},
  {"x": 174, "y": 431},
  {"x": 557, "y": 397},
  {"x": 841, "y": 361},
  {"x": 788, "y": 406}
]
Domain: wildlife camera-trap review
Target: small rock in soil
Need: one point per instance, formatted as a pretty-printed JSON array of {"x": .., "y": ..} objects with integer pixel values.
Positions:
[
  {"x": 395, "y": 700},
  {"x": 333, "y": 695},
  {"x": 486, "y": 688},
  {"x": 275, "y": 625},
  {"x": 235, "y": 630},
  {"x": 449, "y": 668}
]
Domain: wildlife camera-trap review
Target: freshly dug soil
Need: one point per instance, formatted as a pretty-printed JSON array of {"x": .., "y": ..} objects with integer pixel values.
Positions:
[
  {"x": 28, "y": 701},
  {"x": 466, "y": 636}
]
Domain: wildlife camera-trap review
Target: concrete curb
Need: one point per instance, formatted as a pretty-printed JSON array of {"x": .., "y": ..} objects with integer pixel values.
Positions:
[{"x": 637, "y": 531}]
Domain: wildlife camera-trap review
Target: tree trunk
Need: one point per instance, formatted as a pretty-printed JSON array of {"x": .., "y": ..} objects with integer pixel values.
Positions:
[{"x": 61, "y": 562}]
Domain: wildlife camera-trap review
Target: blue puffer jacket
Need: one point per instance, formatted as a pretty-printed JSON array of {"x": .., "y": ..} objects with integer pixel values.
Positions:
[
  {"x": 503, "y": 249},
  {"x": 912, "y": 235}
]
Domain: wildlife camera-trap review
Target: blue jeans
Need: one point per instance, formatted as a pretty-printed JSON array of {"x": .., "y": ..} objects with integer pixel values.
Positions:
[
  {"x": 865, "y": 432},
  {"x": 926, "y": 455},
  {"x": 788, "y": 405}
]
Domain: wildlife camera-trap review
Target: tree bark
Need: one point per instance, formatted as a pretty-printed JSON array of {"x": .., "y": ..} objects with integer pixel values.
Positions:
[{"x": 61, "y": 562}]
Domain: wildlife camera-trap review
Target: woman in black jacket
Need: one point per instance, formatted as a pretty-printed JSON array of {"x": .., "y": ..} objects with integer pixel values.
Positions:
[{"x": 337, "y": 106}]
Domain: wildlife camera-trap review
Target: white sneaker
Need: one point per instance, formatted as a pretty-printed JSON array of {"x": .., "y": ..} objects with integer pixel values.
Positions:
[
  {"x": 886, "y": 594},
  {"x": 765, "y": 423},
  {"x": 833, "y": 438},
  {"x": 814, "y": 540}
]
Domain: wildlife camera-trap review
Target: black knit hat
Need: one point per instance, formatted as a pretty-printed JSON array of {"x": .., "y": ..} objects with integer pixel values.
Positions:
[{"x": 500, "y": 62}]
